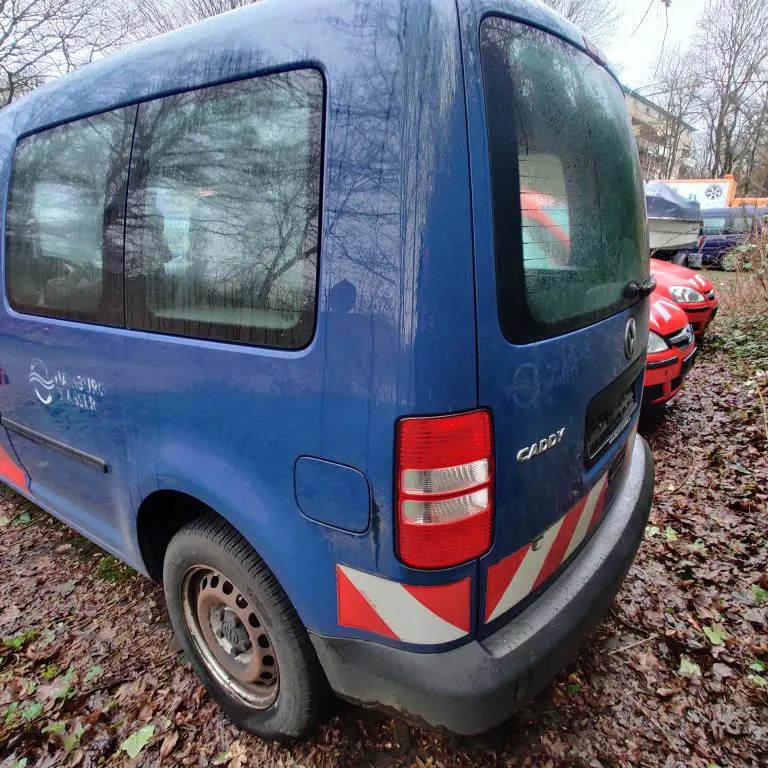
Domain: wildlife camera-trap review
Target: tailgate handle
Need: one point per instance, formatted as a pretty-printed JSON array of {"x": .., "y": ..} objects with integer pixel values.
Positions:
[{"x": 641, "y": 288}]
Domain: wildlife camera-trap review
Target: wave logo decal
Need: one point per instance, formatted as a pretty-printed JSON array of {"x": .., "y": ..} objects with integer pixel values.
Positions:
[{"x": 41, "y": 382}]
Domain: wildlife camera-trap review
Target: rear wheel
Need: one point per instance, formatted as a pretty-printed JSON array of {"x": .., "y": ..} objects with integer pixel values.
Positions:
[{"x": 241, "y": 633}]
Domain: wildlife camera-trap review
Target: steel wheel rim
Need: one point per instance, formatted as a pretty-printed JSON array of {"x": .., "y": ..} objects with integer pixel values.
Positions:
[{"x": 230, "y": 636}]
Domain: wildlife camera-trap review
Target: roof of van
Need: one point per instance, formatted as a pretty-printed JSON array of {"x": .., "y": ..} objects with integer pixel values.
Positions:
[
  {"x": 731, "y": 211},
  {"x": 244, "y": 42}
]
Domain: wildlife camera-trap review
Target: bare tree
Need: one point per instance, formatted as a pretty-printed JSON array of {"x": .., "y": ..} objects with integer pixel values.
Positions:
[
  {"x": 154, "y": 17},
  {"x": 752, "y": 171},
  {"x": 732, "y": 42},
  {"x": 676, "y": 92},
  {"x": 597, "y": 19},
  {"x": 40, "y": 39}
]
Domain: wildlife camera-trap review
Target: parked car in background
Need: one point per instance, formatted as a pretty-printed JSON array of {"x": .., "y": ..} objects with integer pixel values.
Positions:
[
  {"x": 724, "y": 229},
  {"x": 312, "y": 345},
  {"x": 671, "y": 351},
  {"x": 692, "y": 291}
]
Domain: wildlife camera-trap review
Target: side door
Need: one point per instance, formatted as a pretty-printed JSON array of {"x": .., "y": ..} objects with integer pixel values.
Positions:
[
  {"x": 62, "y": 343},
  {"x": 222, "y": 238}
]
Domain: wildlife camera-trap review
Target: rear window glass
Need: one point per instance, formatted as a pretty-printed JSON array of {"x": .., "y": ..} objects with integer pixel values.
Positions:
[{"x": 568, "y": 200}]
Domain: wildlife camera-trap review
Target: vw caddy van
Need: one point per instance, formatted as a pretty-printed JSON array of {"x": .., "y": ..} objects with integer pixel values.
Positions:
[{"x": 332, "y": 315}]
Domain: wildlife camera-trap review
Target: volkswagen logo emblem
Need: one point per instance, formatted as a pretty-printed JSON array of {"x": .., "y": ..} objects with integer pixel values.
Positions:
[{"x": 630, "y": 338}]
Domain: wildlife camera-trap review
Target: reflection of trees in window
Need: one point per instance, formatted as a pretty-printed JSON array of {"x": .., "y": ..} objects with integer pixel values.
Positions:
[
  {"x": 223, "y": 230},
  {"x": 65, "y": 219}
]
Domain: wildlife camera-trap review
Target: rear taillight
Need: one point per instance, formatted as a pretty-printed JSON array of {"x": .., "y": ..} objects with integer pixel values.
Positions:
[
  {"x": 702, "y": 240},
  {"x": 444, "y": 489}
]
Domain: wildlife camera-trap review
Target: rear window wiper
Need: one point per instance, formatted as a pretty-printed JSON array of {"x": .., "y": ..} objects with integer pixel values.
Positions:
[{"x": 639, "y": 288}]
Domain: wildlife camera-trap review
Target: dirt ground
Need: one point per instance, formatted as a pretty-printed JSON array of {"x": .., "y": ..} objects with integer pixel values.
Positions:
[{"x": 677, "y": 674}]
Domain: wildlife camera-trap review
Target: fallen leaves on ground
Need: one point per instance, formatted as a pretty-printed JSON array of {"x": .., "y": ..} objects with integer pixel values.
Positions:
[{"x": 677, "y": 674}]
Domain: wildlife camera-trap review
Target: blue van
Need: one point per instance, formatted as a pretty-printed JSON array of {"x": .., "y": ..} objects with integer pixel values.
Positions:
[
  {"x": 724, "y": 229},
  {"x": 332, "y": 316}
]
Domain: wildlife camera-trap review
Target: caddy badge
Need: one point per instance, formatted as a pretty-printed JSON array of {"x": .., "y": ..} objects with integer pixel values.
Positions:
[{"x": 527, "y": 453}]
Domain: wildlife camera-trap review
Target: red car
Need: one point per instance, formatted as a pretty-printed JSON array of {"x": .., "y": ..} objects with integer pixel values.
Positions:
[
  {"x": 691, "y": 290},
  {"x": 671, "y": 351}
]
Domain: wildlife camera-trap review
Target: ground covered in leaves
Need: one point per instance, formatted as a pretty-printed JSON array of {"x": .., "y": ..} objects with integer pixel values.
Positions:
[{"x": 676, "y": 675}]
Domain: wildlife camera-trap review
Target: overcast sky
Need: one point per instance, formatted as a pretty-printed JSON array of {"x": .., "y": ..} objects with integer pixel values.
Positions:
[{"x": 634, "y": 56}]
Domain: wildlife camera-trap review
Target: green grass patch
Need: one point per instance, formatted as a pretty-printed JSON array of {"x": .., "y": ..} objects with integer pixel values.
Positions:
[
  {"x": 17, "y": 642},
  {"x": 112, "y": 570},
  {"x": 744, "y": 340}
]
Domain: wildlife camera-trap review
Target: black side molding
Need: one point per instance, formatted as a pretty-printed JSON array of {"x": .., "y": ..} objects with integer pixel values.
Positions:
[
  {"x": 56, "y": 445},
  {"x": 651, "y": 364}
]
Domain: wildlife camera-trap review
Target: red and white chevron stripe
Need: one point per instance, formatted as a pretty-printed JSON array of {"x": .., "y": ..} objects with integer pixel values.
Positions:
[
  {"x": 698, "y": 281},
  {"x": 420, "y": 615},
  {"x": 516, "y": 576}
]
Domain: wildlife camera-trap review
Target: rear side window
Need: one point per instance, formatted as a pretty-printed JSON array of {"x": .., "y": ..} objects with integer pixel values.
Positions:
[
  {"x": 224, "y": 210},
  {"x": 568, "y": 200},
  {"x": 64, "y": 232}
]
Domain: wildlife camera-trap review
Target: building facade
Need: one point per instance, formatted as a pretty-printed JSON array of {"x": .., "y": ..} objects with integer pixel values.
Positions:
[{"x": 663, "y": 141}]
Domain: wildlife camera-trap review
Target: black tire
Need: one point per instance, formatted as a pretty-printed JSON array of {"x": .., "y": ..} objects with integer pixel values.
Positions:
[{"x": 302, "y": 692}]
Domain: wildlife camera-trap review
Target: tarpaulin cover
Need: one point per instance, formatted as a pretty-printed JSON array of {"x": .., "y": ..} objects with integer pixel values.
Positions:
[{"x": 664, "y": 203}]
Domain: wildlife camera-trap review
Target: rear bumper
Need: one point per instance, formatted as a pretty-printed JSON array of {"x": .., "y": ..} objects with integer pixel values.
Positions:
[{"x": 476, "y": 686}]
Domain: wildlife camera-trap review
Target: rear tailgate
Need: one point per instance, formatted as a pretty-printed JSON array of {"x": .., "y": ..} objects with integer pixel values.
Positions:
[
  {"x": 559, "y": 235},
  {"x": 550, "y": 495}
]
